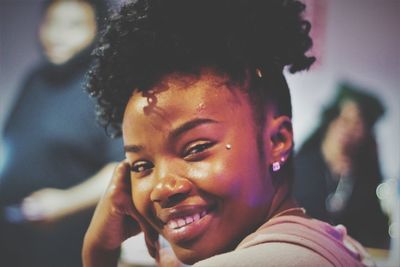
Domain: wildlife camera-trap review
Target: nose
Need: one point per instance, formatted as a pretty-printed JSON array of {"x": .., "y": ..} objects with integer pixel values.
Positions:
[{"x": 170, "y": 189}]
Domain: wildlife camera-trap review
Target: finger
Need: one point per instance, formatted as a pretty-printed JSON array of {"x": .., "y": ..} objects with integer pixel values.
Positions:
[
  {"x": 120, "y": 178},
  {"x": 121, "y": 182},
  {"x": 119, "y": 190}
]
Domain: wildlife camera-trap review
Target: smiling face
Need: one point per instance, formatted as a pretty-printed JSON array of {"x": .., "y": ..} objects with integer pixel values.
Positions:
[{"x": 196, "y": 175}]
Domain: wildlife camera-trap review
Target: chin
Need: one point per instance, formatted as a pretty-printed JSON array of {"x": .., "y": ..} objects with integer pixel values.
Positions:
[
  {"x": 57, "y": 60},
  {"x": 191, "y": 256},
  {"x": 188, "y": 256}
]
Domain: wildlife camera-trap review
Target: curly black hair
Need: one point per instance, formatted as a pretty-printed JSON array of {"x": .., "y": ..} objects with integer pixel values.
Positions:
[{"x": 147, "y": 39}]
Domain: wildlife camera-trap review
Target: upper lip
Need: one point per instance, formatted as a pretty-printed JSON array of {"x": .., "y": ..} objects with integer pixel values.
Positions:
[{"x": 181, "y": 211}]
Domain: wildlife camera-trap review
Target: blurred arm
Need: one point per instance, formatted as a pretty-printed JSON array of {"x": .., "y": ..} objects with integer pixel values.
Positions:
[{"x": 50, "y": 204}]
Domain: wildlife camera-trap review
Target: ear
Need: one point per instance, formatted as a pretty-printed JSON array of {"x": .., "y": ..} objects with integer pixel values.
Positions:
[{"x": 281, "y": 138}]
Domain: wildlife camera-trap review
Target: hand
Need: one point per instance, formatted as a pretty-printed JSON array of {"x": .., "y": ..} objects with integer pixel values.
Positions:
[
  {"x": 46, "y": 205},
  {"x": 49, "y": 204},
  {"x": 115, "y": 220}
]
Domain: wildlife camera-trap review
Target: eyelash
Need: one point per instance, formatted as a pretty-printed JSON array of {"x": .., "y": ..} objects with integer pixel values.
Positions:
[
  {"x": 141, "y": 166},
  {"x": 192, "y": 153}
]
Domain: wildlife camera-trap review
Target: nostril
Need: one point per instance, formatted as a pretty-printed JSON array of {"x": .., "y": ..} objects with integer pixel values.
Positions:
[
  {"x": 171, "y": 191},
  {"x": 171, "y": 200},
  {"x": 176, "y": 198}
]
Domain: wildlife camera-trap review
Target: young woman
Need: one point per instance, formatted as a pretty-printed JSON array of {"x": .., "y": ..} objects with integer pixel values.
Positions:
[{"x": 196, "y": 88}]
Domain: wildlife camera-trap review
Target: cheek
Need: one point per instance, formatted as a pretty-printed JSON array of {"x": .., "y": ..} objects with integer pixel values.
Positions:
[
  {"x": 210, "y": 176},
  {"x": 221, "y": 177},
  {"x": 249, "y": 179},
  {"x": 141, "y": 190}
]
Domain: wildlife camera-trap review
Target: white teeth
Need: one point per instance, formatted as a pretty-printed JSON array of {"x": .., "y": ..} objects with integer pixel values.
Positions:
[
  {"x": 181, "y": 222},
  {"x": 188, "y": 220},
  {"x": 178, "y": 223},
  {"x": 172, "y": 224},
  {"x": 196, "y": 217}
]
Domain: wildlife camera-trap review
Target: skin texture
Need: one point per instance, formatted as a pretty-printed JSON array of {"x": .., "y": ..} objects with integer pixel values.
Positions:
[
  {"x": 176, "y": 140},
  {"x": 68, "y": 28}
]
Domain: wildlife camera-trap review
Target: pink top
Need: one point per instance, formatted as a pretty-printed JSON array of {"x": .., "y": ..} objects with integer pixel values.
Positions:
[{"x": 290, "y": 240}]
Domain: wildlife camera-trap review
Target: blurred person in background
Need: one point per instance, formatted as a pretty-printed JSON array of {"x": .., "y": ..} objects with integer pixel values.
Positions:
[
  {"x": 337, "y": 168},
  {"x": 57, "y": 160}
]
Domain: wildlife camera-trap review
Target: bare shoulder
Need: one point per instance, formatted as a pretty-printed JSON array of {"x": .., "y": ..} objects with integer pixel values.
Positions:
[{"x": 275, "y": 254}]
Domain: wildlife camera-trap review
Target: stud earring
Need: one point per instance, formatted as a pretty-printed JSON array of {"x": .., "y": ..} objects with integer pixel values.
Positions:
[
  {"x": 228, "y": 146},
  {"x": 276, "y": 166}
]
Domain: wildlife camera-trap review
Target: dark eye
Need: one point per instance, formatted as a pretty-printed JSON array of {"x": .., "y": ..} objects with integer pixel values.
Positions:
[
  {"x": 141, "y": 166},
  {"x": 193, "y": 150}
]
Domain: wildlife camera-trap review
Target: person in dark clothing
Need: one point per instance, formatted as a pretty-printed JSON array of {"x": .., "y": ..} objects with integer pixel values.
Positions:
[
  {"x": 56, "y": 157},
  {"x": 337, "y": 168}
]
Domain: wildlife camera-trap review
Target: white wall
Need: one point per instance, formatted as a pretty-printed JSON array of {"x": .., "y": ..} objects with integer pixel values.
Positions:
[{"x": 361, "y": 44}]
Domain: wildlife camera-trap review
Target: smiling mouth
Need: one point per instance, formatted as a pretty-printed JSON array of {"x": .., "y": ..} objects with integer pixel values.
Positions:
[
  {"x": 186, "y": 223},
  {"x": 183, "y": 221}
]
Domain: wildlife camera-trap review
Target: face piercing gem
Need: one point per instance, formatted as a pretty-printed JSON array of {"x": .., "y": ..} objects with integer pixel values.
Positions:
[
  {"x": 282, "y": 159},
  {"x": 258, "y": 72},
  {"x": 228, "y": 146},
  {"x": 276, "y": 166}
]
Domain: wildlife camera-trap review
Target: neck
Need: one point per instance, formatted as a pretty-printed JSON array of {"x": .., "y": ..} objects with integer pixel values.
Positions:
[{"x": 281, "y": 201}]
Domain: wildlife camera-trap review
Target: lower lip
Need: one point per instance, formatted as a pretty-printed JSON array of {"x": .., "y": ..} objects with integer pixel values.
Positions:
[{"x": 188, "y": 232}]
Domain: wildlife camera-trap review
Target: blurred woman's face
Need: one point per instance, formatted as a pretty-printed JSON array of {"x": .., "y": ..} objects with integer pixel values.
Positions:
[
  {"x": 68, "y": 28},
  {"x": 196, "y": 172},
  {"x": 348, "y": 129}
]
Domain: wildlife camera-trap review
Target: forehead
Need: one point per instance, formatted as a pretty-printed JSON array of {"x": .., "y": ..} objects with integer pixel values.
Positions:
[
  {"x": 350, "y": 109},
  {"x": 70, "y": 10},
  {"x": 177, "y": 98}
]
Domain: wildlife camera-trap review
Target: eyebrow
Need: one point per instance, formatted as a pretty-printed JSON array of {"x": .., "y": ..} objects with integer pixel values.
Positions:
[
  {"x": 133, "y": 148},
  {"x": 188, "y": 126},
  {"x": 175, "y": 133}
]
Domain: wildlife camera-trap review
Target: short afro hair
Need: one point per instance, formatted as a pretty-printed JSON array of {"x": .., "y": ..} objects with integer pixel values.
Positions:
[{"x": 147, "y": 39}]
